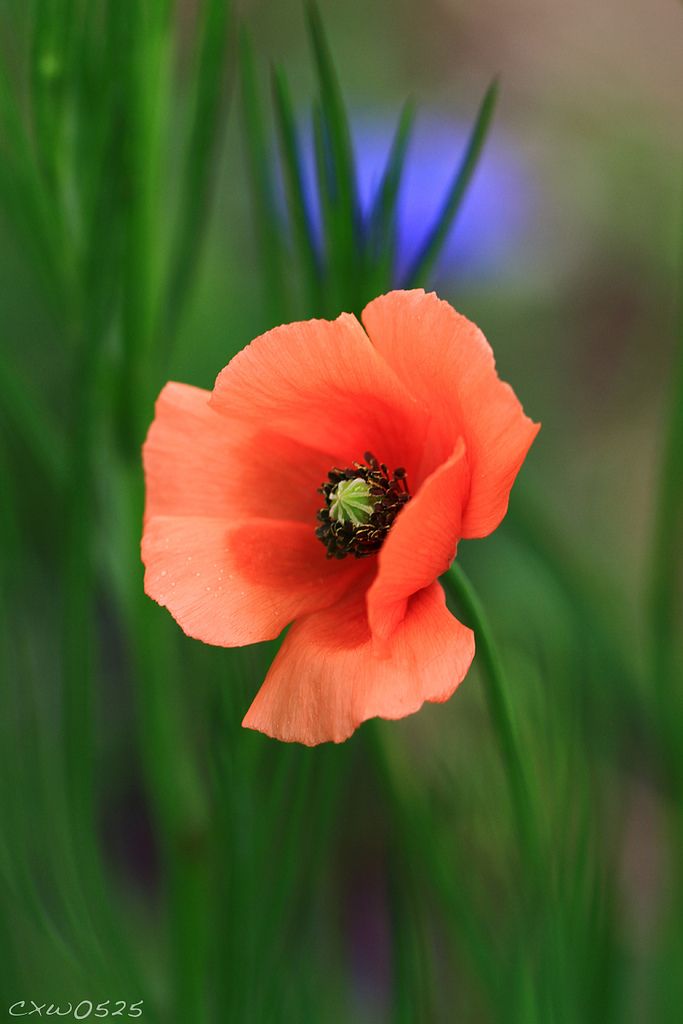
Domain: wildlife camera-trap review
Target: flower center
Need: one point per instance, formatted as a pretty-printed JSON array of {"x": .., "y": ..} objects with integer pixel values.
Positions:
[{"x": 361, "y": 503}]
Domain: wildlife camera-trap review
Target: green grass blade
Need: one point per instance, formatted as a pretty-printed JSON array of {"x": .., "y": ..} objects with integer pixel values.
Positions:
[
  {"x": 52, "y": 24},
  {"x": 259, "y": 158},
  {"x": 384, "y": 206},
  {"x": 175, "y": 788},
  {"x": 334, "y": 114},
  {"x": 149, "y": 31},
  {"x": 333, "y": 255},
  {"x": 412, "y": 989},
  {"x": 36, "y": 221},
  {"x": 411, "y": 818},
  {"x": 300, "y": 215},
  {"x": 345, "y": 231},
  {"x": 30, "y": 420},
  {"x": 382, "y": 228},
  {"x": 209, "y": 72},
  {"x": 522, "y": 794},
  {"x": 426, "y": 258}
]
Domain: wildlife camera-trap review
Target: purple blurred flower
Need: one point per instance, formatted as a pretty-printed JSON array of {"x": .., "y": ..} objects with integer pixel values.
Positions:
[{"x": 491, "y": 225}]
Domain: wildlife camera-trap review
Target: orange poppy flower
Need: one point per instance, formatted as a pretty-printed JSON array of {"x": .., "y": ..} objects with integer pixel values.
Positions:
[{"x": 325, "y": 482}]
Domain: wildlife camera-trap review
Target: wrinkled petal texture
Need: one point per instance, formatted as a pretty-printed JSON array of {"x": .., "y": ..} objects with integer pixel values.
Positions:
[
  {"x": 198, "y": 462},
  {"x": 241, "y": 582},
  {"x": 448, "y": 366},
  {"x": 327, "y": 679},
  {"x": 229, "y": 544},
  {"x": 420, "y": 545},
  {"x": 321, "y": 383}
]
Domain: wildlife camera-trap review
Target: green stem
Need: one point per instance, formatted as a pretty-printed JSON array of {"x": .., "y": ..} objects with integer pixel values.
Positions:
[{"x": 496, "y": 690}]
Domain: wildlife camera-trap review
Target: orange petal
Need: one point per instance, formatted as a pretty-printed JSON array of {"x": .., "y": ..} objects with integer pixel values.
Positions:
[
  {"x": 197, "y": 462},
  {"x": 323, "y": 384},
  {"x": 240, "y": 582},
  {"x": 447, "y": 364},
  {"x": 421, "y": 544},
  {"x": 326, "y": 679}
]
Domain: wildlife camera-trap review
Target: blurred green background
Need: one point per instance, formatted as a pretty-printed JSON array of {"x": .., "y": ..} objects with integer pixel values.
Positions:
[{"x": 150, "y": 848}]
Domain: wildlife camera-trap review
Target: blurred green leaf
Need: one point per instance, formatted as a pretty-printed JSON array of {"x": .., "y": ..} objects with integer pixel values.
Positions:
[
  {"x": 31, "y": 421},
  {"x": 38, "y": 222},
  {"x": 292, "y": 160},
  {"x": 384, "y": 206},
  {"x": 336, "y": 284},
  {"x": 337, "y": 125},
  {"x": 52, "y": 26},
  {"x": 147, "y": 103},
  {"x": 338, "y": 183},
  {"x": 381, "y": 228},
  {"x": 262, "y": 186},
  {"x": 208, "y": 77}
]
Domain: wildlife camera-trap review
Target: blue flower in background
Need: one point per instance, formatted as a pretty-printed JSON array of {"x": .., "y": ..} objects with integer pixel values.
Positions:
[{"x": 491, "y": 226}]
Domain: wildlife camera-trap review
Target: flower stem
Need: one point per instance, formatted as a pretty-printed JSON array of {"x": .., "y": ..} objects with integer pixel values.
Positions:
[{"x": 496, "y": 690}]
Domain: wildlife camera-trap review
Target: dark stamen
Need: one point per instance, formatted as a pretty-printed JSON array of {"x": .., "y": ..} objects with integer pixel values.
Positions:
[{"x": 389, "y": 492}]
